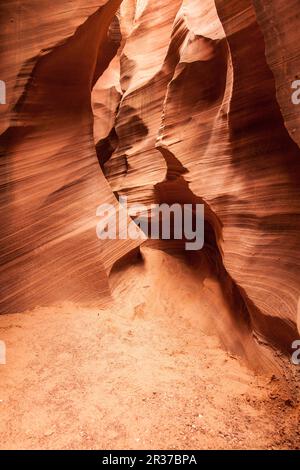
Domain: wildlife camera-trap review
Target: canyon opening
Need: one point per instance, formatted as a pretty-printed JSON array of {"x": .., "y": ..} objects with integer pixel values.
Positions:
[{"x": 150, "y": 235}]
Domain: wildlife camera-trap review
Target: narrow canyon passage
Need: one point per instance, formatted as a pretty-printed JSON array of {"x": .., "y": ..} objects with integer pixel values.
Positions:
[{"x": 135, "y": 343}]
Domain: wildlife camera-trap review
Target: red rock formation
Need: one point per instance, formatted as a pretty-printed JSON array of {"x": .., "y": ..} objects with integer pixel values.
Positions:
[
  {"x": 207, "y": 105},
  {"x": 50, "y": 177},
  {"x": 279, "y": 21},
  {"x": 191, "y": 103}
]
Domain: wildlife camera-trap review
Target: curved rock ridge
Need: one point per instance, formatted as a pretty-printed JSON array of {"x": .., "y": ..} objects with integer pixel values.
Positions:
[
  {"x": 279, "y": 22},
  {"x": 183, "y": 101},
  {"x": 50, "y": 176},
  {"x": 198, "y": 119}
]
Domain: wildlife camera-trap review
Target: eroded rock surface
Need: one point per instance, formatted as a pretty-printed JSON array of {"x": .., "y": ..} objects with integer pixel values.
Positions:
[
  {"x": 191, "y": 101},
  {"x": 50, "y": 176},
  {"x": 202, "y": 117}
]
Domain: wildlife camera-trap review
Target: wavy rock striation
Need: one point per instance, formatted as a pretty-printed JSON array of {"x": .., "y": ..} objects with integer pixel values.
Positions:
[
  {"x": 198, "y": 120},
  {"x": 50, "y": 177},
  {"x": 191, "y": 102}
]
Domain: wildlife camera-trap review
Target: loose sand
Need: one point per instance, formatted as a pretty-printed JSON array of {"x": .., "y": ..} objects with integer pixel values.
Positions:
[{"x": 148, "y": 372}]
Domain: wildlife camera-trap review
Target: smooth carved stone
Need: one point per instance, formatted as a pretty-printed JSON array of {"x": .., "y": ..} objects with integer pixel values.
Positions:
[
  {"x": 199, "y": 107},
  {"x": 183, "y": 101}
]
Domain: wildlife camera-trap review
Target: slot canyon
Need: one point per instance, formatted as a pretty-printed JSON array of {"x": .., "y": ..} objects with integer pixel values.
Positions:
[{"x": 138, "y": 343}]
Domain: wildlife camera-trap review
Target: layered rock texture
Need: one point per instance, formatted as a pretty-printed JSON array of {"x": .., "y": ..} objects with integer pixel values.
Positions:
[
  {"x": 50, "y": 176},
  {"x": 182, "y": 101}
]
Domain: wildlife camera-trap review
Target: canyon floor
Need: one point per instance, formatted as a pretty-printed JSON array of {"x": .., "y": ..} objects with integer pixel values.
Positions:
[{"x": 142, "y": 373}]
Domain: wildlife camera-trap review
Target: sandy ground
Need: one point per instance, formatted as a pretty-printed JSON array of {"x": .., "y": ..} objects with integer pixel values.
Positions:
[{"x": 145, "y": 373}]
